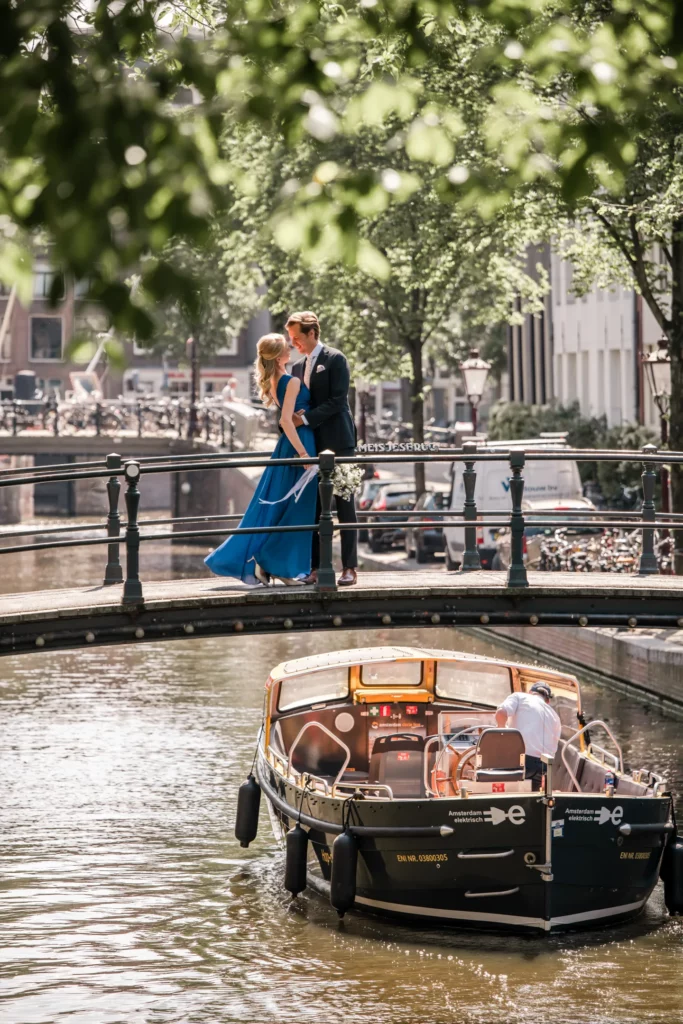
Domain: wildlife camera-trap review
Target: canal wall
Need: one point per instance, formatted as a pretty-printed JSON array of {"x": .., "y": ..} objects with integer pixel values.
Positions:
[
  {"x": 647, "y": 662},
  {"x": 212, "y": 492}
]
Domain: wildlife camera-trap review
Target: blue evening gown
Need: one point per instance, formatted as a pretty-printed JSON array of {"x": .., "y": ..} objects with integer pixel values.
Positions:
[{"x": 280, "y": 554}]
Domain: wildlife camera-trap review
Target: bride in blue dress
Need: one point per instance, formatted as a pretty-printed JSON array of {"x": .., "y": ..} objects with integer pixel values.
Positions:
[{"x": 286, "y": 495}]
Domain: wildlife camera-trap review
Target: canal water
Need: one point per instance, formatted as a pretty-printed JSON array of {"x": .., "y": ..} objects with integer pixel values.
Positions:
[{"x": 125, "y": 899}]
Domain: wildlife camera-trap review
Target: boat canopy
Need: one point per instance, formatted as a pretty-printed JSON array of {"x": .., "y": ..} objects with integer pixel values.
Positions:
[{"x": 421, "y": 674}]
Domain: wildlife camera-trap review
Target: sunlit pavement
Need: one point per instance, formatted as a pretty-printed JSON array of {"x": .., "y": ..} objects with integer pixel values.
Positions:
[{"x": 395, "y": 558}]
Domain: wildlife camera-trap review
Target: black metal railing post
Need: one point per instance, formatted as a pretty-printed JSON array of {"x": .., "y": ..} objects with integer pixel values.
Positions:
[
  {"x": 132, "y": 588},
  {"x": 648, "y": 559},
  {"x": 470, "y": 556},
  {"x": 113, "y": 572},
  {"x": 222, "y": 421},
  {"x": 55, "y": 422},
  {"x": 98, "y": 419},
  {"x": 139, "y": 412},
  {"x": 14, "y": 418},
  {"x": 517, "y": 570},
  {"x": 326, "y": 577},
  {"x": 232, "y": 425},
  {"x": 207, "y": 424}
]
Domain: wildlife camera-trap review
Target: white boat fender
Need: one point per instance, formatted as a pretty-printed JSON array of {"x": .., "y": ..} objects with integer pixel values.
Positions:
[
  {"x": 248, "y": 803},
  {"x": 343, "y": 877},
  {"x": 296, "y": 855},
  {"x": 671, "y": 874}
]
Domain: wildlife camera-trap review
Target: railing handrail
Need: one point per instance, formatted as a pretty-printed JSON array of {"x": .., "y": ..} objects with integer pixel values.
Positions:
[
  {"x": 580, "y": 732},
  {"x": 469, "y": 518}
]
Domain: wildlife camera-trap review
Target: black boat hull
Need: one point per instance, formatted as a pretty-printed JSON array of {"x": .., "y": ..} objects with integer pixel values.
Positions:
[{"x": 511, "y": 861}]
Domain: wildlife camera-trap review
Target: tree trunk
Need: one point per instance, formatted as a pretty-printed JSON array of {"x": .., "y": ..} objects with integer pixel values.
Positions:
[
  {"x": 676, "y": 411},
  {"x": 417, "y": 410}
]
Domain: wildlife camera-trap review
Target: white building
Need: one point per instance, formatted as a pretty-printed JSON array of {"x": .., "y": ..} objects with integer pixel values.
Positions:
[{"x": 596, "y": 345}]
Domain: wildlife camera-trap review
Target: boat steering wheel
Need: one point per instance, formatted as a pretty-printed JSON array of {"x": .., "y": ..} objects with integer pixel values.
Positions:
[{"x": 459, "y": 765}]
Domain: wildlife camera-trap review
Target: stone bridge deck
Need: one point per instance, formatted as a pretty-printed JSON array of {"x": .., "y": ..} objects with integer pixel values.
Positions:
[{"x": 87, "y": 616}]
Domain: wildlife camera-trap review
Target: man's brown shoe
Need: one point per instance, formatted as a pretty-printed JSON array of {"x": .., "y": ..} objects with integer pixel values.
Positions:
[
  {"x": 347, "y": 578},
  {"x": 311, "y": 578}
]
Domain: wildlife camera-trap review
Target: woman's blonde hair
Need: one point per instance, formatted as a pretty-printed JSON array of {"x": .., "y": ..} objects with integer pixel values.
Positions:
[{"x": 269, "y": 349}]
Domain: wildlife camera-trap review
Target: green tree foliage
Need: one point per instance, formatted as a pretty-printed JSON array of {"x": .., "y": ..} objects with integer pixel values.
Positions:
[
  {"x": 93, "y": 153},
  {"x": 422, "y": 272},
  {"x": 226, "y": 294}
]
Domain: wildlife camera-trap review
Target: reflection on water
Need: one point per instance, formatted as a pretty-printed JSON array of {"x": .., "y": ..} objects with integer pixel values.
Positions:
[{"x": 125, "y": 897}]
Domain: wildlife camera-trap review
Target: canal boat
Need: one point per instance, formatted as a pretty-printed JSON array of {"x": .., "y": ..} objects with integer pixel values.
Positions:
[{"x": 394, "y": 792}]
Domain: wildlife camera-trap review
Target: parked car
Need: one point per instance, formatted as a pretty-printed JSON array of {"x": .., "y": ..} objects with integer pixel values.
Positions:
[
  {"x": 368, "y": 494},
  {"x": 423, "y": 544},
  {"x": 534, "y": 535},
  {"x": 395, "y": 498},
  {"x": 549, "y": 479}
]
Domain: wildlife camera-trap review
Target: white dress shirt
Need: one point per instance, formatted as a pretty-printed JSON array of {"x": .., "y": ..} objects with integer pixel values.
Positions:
[
  {"x": 309, "y": 367},
  {"x": 538, "y": 723}
]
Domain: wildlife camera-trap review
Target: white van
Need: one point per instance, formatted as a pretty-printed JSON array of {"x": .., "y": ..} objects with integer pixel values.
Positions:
[{"x": 542, "y": 480}]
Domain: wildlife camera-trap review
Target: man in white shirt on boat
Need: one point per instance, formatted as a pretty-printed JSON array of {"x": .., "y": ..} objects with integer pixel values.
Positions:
[{"x": 538, "y": 723}]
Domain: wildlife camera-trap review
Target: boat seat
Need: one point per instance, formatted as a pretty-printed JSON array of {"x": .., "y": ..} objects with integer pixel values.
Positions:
[
  {"x": 593, "y": 776},
  {"x": 629, "y": 787},
  {"x": 561, "y": 777},
  {"x": 499, "y": 756},
  {"x": 398, "y": 761}
]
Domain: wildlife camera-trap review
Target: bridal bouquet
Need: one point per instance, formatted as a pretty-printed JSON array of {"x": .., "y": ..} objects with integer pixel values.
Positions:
[{"x": 346, "y": 480}]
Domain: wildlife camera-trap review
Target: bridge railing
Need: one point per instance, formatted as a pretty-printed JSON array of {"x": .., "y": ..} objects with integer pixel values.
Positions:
[
  {"x": 138, "y": 417},
  {"x": 132, "y": 532}
]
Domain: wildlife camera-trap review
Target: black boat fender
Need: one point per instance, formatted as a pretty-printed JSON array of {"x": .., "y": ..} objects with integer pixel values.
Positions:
[
  {"x": 671, "y": 873},
  {"x": 343, "y": 876},
  {"x": 248, "y": 803},
  {"x": 296, "y": 854}
]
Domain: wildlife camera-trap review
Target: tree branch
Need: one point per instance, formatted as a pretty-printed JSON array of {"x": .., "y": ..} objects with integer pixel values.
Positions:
[{"x": 634, "y": 260}]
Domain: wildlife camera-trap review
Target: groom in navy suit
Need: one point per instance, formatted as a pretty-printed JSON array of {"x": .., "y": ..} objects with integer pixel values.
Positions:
[{"x": 325, "y": 372}]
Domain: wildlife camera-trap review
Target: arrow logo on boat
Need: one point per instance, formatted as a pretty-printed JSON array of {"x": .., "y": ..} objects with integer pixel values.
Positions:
[{"x": 495, "y": 816}]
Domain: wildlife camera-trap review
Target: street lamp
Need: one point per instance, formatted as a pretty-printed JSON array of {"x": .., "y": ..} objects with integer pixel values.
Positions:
[
  {"x": 657, "y": 366},
  {"x": 474, "y": 371}
]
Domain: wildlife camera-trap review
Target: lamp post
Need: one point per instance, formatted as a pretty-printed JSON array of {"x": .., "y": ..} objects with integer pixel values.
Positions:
[
  {"x": 193, "y": 357},
  {"x": 657, "y": 366},
  {"x": 363, "y": 392},
  {"x": 474, "y": 372}
]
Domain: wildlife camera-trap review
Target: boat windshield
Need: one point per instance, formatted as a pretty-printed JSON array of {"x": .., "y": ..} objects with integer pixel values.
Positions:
[
  {"x": 392, "y": 673},
  {"x": 470, "y": 681},
  {"x": 328, "y": 684}
]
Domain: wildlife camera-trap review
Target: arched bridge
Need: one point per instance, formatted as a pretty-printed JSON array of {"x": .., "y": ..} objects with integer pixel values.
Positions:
[{"x": 122, "y": 607}]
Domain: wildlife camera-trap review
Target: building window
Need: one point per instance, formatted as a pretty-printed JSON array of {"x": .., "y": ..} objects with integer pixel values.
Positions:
[
  {"x": 43, "y": 277},
  {"x": 557, "y": 280},
  {"x": 571, "y": 383},
  {"x": 228, "y": 350},
  {"x": 45, "y": 338}
]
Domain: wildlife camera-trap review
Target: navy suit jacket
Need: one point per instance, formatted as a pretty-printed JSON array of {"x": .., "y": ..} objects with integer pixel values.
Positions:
[{"x": 330, "y": 413}]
